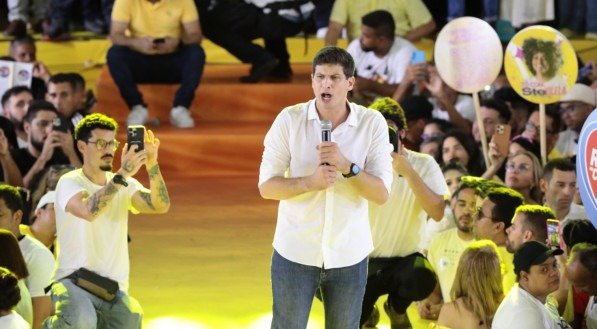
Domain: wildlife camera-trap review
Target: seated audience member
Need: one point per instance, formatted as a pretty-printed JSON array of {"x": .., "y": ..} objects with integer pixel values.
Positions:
[
  {"x": 477, "y": 290},
  {"x": 162, "y": 47},
  {"x": 9, "y": 297},
  {"x": 558, "y": 184},
  {"x": 81, "y": 95},
  {"x": 519, "y": 107},
  {"x": 38, "y": 258},
  {"x": 575, "y": 108},
  {"x": 396, "y": 266},
  {"x": 62, "y": 92},
  {"x": 12, "y": 259},
  {"x": 23, "y": 50},
  {"x": 381, "y": 58},
  {"x": 15, "y": 103},
  {"x": 43, "y": 227},
  {"x": 553, "y": 124},
  {"x": 581, "y": 272},
  {"x": 493, "y": 113},
  {"x": 527, "y": 304},
  {"x": 446, "y": 247},
  {"x": 96, "y": 18},
  {"x": 523, "y": 172},
  {"x": 413, "y": 18},
  {"x": 494, "y": 217},
  {"x": 19, "y": 16},
  {"x": 46, "y": 146},
  {"x": 461, "y": 148},
  {"x": 233, "y": 25},
  {"x": 529, "y": 223},
  {"x": 417, "y": 111}
]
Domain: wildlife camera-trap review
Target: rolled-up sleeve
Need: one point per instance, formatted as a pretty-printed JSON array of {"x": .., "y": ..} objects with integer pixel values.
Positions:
[{"x": 276, "y": 153}]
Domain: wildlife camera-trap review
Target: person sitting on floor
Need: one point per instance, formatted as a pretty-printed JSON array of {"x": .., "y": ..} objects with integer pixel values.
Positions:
[{"x": 162, "y": 47}]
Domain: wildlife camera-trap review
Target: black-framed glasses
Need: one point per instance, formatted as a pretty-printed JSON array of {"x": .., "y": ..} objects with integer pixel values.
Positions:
[
  {"x": 101, "y": 144},
  {"x": 523, "y": 167}
]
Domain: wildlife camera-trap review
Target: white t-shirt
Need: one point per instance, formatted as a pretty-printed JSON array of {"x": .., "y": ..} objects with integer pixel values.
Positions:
[
  {"x": 13, "y": 321},
  {"x": 519, "y": 309},
  {"x": 591, "y": 313},
  {"x": 99, "y": 246},
  {"x": 389, "y": 69},
  {"x": 24, "y": 308},
  {"x": 397, "y": 225},
  {"x": 330, "y": 226},
  {"x": 567, "y": 143},
  {"x": 464, "y": 106},
  {"x": 40, "y": 263},
  {"x": 444, "y": 254}
]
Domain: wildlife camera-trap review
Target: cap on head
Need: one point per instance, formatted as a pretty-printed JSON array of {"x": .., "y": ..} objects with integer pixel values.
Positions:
[
  {"x": 581, "y": 93},
  {"x": 532, "y": 253}
]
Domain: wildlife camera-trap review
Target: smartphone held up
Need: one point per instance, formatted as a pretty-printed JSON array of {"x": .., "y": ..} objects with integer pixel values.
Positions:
[{"x": 136, "y": 136}]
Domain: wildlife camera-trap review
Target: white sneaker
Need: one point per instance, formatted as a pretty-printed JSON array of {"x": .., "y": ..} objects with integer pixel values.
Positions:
[
  {"x": 181, "y": 118},
  {"x": 138, "y": 116}
]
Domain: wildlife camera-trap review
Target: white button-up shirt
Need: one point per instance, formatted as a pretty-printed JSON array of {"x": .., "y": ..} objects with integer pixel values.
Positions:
[{"x": 327, "y": 228}]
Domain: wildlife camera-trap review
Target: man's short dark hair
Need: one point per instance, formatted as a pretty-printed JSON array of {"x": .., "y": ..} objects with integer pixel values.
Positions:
[
  {"x": 506, "y": 202},
  {"x": 11, "y": 197},
  {"x": 77, "y": 80},
  {"x": 391, "y": 110},
  {"x": 578, "y": 231},
  {"x": 536, "y": 220},
  {"x": 560, "y": 164},
  {"x": 91, "y": 122},
  {"x": 499, "y": 106},
  {"x": 23, "y": 39},
  {"x": 454, "y": 166},
  {"x": 37, "y": 106},
  {"x": 63, "y": 78},
  {"x": 14, "y": 91},
  {"x": 382, "y": 22},
  {"x": 586, "y": 254},
  {"x": 332, "y": 56}
]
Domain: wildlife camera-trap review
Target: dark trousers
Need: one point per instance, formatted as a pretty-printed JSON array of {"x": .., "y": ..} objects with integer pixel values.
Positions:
[
  {"x": 129, "y": 67},
  {"x": 91, "y": 9},
  {"x": 404, "y": 279}
]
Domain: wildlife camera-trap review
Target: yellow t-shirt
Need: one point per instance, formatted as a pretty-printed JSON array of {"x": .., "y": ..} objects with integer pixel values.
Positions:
[
  {"x": 157, "y": 20},
  {"x": 444, "y": 254},
  {"x": 509, "y": 277},
  {"x": 408, "y": 14}
]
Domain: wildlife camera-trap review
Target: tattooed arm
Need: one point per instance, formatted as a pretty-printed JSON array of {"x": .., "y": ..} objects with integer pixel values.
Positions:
[{"x": 158, "y": 200}]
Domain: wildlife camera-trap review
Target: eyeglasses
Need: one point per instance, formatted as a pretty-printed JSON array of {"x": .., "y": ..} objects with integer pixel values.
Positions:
[
  {"x": 532, "y": 126},
  {"x": 566, "y": 109},
  {"x": 523, "y": 167},
  {"x": 101, "y": 144}
]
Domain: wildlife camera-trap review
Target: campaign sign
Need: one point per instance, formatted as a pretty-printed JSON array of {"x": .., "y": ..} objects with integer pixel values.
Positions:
[
  {"x": 468, "y": 54},
  {"x": 586, "y": 166},
  {"x": 540, "y": 64}
]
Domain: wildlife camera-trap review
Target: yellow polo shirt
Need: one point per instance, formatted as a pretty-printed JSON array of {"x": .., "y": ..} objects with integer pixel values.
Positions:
[
  {"x": 408, "y": 14},
  {"x": 157, "y": 20}
]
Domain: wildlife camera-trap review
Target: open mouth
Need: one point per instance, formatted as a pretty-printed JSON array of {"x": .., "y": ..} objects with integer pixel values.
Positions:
[{"x": 326, "y": 96}]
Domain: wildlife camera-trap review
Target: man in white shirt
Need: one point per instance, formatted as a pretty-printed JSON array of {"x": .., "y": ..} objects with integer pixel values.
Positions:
[
  {"x": 38, "y": 258},
  {"x": 322, "y": 236},
  {"x": 92, "y": 206},
  {"x": 575, "y": 108},
  {"x": 559, "y": 186},
  {"x": 526, "y": 305},
  {"x": 396, "y": 265},
  {"x": 381, "y": 58},
  {"x": 581, "y": 272}
]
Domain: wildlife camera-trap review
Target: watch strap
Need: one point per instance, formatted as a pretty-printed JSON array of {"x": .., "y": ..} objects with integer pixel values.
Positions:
[{"x": 119, "y": 179}]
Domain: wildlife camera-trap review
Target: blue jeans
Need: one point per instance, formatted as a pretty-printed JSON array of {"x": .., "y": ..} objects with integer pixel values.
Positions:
[
  {"x": 294, "y": 286},
  {"x": 184, "y": 66},
  {"x": 456, "y": 8},
  {"x": 78, "y": 309},
  {"x": 574, "y": 14}
]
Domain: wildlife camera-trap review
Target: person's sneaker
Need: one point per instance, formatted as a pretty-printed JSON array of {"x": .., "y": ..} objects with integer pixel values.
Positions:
[
  {"x": 397, "y": 321},
  {"x": 96, "y": 26},
  {"x": 55, "y": 30},
  {"x": 591, "y": 36},
  {"x": 373, "y": 320},
  {"x": 16, "y": 28},
  {"x": 181, "y": 118},
  {"x": 138, "y": 116}
]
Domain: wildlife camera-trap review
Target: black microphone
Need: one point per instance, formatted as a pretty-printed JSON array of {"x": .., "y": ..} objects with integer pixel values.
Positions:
[{"x": 326, "y": 133}]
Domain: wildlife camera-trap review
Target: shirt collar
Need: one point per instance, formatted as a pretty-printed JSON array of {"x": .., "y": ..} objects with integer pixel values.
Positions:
[{"x": 312, "y": 114}]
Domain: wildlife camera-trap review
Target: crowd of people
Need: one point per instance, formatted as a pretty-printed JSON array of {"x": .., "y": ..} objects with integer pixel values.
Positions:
[{"x": 399, "y": 202}]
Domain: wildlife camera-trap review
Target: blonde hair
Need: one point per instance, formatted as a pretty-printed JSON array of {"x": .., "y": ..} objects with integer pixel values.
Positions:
[{"x": 478, "y": 280}]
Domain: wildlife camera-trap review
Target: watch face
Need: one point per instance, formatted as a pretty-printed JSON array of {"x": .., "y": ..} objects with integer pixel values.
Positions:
[{"x": 355, "y": 169}]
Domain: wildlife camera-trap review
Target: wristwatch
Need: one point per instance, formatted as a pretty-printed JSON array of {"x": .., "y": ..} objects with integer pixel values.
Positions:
[
  {"x": 354, "y": 170},
  {"x": 119, "y": 179}
]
